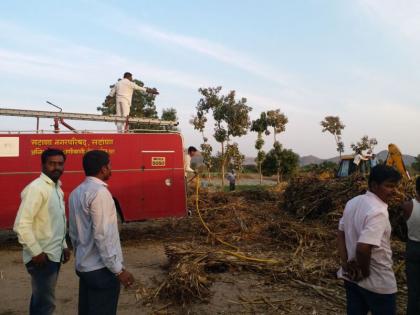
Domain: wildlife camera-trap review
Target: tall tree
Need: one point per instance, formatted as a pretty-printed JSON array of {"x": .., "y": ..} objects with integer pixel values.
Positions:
[
  {"x": 234, "y": 158},
  {"x": 278, "y": 121},
  {"x": 260, "y": 126},
  {"x": 141, "y": 105},
  {"x": 365, "y": 143},
  {"x": 334, "y": 126},
  {"x": 231, "y": 117},
  {"x": 199, "y": 122}
]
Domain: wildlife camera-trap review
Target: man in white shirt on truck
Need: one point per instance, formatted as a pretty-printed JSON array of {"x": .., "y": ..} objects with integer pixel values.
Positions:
[{"x": 123, "y": 91}]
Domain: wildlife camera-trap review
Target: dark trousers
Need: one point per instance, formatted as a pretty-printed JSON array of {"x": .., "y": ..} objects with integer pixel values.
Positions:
[
  {"x": 231, "y": 186},
  {"x": 43, "y": 281},
  {"x": 99, "y": 291},
  {"x": 360, "y": 301},
  {"x": 412, "y": 265}
]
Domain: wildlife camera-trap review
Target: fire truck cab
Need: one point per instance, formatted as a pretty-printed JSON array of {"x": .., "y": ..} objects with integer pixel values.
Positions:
[{"x": 147, "y": 179}]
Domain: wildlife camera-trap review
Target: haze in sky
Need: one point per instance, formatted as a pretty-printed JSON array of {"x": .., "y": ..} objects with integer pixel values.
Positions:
[{"x": 311, "y": 58}]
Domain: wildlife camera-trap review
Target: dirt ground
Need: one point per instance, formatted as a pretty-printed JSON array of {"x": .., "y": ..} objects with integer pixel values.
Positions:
[
  {"x": 304, "y": 282},
  {"x": 232, "y": 292}
]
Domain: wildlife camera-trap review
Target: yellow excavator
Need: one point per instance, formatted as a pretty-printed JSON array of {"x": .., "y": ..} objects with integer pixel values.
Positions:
[{"x": 394, "y": 159}]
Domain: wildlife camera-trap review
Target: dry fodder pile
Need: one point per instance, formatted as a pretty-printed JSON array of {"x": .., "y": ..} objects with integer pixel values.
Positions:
[
  {"x": 309, "y": 197},
  {"x": 256, "y": 237},
  {"x": 249, "y": 233}
]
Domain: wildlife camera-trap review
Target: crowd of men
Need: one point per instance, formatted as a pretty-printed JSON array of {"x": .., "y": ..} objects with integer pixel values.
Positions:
[{"x": 364, "y": 234}]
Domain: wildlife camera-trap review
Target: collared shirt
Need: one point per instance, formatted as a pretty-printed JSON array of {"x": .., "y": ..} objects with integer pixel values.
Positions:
[
  {"x": 125, "y": 88},
  {"x": 41, "y": 220},
  {"x": 187, "y": 165},
  {"x": 365, "y": 220},
  {"x": 93, "y": 227}
]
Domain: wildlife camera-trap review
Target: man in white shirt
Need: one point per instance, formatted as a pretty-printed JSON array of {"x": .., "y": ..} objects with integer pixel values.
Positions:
[
  {"x": 364, "y": 246},
  {"x": 191, "y": 152},
  {"x": 94, "y": 234},
  {"x": 41, "y": 228},
  {"x": 123, "y": 90}
]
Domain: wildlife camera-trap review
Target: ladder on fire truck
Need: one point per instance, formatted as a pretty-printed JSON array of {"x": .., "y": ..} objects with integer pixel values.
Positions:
[{"x": 60, "y": 116}]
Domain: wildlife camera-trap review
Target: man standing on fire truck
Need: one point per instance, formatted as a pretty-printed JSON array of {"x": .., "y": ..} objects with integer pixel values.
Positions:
[
  {"x": 41, "y": 228},
  {"x": 123, "y": 90}
]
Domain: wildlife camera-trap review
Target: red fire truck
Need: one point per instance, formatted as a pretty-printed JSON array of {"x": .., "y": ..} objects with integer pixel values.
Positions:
[{"x": 147, "y": 179}]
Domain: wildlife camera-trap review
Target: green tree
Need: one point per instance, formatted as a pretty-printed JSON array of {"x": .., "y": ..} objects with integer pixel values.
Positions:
[
  {"x": 280, "y": 161},
  {"x": 365, "y": 143},
  {"x": 334, "y": 126},
  {"x": 231, "y": 117},
  {"x": 169, "y": 114},
  {"x": 142, "y": 105},
  {"x": 260, "y": 126},
  {"x": 199, "y": 123},
  {"x": 234, "y": 158},
  {"x": 277, "y": 120},
  {"x": 416, "y": 163}
]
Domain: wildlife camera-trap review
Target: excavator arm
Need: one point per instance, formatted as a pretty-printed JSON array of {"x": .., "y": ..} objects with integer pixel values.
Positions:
[{"x": 395, "y": 159}]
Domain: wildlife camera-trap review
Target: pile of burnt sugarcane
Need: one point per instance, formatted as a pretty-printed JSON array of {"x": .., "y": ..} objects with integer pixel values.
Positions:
[{"x": 312, "y": 197}]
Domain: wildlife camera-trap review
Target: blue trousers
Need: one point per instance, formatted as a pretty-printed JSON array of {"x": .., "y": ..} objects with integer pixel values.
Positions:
[
  {"x": 99, "y": 291},
  {"x": 360, "y": 301},
  {"x": 43, "y": 280}
]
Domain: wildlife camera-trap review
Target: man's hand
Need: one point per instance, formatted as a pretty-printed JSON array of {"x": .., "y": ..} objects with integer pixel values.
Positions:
[
  {"x": 126, "y": 278},
  {"x": 352, "y": 271},
  {"x": 66, "y": 255},
  {"x": 40, "y": 260},
  {"x": 153, "y": 91}
]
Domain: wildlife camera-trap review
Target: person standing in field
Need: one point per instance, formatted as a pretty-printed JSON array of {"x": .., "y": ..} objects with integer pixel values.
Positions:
[
  {"x": 123, "y": 90},
  {"x": 94, "y": 234},
  {"x": 364, "y": 246},
  {"x": 412, "y": 256},
  {"x": 40, "y": 225},
  {"x": 231, "y": 177}
]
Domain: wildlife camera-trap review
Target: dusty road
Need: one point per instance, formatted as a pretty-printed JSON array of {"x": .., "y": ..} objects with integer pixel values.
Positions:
[{"x": 232, "y": 292}]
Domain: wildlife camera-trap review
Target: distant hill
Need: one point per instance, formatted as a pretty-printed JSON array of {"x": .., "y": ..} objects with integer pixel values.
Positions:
[
  {"x": 310, "y": 159},
  {"x": 408, "y": 159}
]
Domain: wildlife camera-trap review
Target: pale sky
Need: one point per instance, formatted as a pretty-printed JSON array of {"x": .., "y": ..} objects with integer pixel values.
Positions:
[{"x": 356, "y": 59}]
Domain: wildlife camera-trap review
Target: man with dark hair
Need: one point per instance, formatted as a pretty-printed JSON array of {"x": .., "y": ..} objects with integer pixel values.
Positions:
[
  {"x": 41, "y": 228},
  {"x": 364, "y": 246},
  {"x": 94, "y": 235},
  {"x": 123, "y": 90},
  {"x": 191, "y": 152},
  {"x": 412, "y": 256}
]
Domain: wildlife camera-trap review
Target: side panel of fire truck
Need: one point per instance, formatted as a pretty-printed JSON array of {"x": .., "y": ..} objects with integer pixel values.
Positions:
[{"x": 147, "y": 170}]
